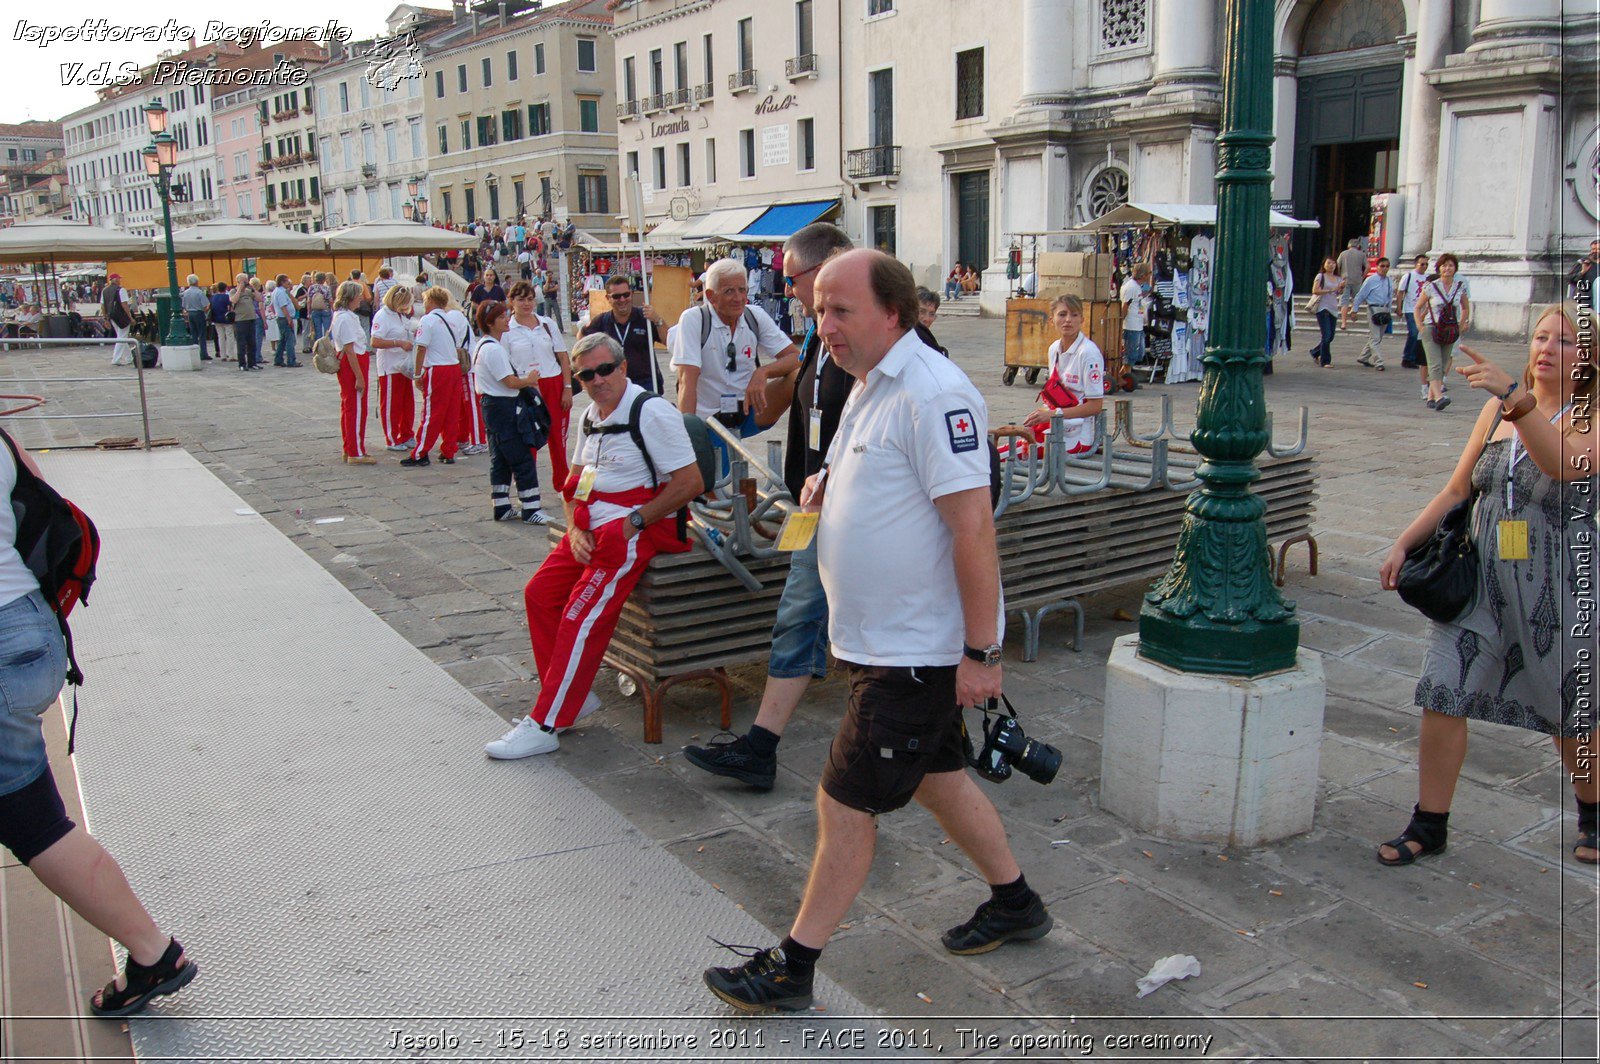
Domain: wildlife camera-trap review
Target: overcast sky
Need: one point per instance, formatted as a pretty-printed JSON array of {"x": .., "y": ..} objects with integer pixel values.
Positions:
[{"x": 31, "y": 76}]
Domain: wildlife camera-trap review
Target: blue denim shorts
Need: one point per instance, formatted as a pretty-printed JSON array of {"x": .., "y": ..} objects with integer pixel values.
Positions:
[
  {"x": 800, "y": 633},
  {"x": 33, "y": 666},
  {"x": 1133, "y": 346}
]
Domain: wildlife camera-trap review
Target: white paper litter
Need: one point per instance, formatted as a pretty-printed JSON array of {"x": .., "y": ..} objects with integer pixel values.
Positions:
[
  {"x": 244, "y": 511},
  {"x": 327, "y": 520},
  {"x": 1165, "y": 970}
]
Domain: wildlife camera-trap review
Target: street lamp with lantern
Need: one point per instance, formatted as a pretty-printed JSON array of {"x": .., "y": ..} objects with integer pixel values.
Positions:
[
  {"x": 406, "y": 211},
  {"x": 160, "y": 156}
]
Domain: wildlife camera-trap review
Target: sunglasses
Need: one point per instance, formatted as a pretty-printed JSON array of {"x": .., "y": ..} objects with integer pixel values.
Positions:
[
  {"x": 615, "y": 296},
  {"x": 793, "y": 277},
  {"x": 604, "y": 370},
  {"x": 733, "y": 357}
]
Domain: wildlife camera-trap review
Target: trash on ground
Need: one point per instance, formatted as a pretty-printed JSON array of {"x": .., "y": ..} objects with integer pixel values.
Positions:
[{"x": 1165, "y": 970}]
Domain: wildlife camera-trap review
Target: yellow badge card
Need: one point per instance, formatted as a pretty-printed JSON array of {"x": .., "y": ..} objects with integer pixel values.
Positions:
[
  {"x": 814, "y": 433},
  {"x": 1513, "y": 541},
  {"x": 585, "y": 484},
  {"x": 799, "y": 529}
]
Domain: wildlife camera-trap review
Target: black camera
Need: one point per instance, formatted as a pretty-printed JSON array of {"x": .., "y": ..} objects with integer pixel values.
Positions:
[{"x": 1006, "y": 746}]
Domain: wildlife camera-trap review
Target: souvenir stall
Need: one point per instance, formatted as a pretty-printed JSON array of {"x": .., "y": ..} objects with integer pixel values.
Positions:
[
  {"x": 1178, "y": 241},
  {"x": 672, "y": 268}
]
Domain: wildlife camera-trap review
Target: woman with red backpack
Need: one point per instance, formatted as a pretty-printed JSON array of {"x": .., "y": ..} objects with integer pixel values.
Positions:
[{"x": 1444, "y": 312}]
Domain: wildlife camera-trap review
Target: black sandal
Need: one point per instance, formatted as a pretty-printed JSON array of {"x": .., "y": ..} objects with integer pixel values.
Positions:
[
  {"x": 1588, "y": 831},
  {"x": 163, "y": 977},
  {"x": 1427, "y": 830}
]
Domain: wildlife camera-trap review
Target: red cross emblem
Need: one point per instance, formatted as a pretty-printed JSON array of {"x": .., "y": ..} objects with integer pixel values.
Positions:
[{"x": 961, "y": 425}]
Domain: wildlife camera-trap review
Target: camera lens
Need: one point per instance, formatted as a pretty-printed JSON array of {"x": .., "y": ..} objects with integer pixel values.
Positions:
[{"x": 1038, "y": 761}]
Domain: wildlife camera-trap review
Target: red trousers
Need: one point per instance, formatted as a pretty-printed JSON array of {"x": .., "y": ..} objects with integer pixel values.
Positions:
[
  {"x": 353, "y": 407},
  {"x": 441, "y": 410},
  {"x": 396, "y": 407},
  {"x": 552, "y": 389},
  {"x": 573, "y": 610},
  {"x": 469, "y": 427}
]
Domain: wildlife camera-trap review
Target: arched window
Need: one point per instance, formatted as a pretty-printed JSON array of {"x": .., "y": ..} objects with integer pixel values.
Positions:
[{"x": 1347, "y": 25}]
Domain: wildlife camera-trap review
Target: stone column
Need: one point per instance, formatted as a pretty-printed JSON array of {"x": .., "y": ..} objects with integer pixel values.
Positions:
[
  {"x": 1046, "y": 51},
  {"x": 1185, "y": 44},
  {"x": 1500, "y": 20},
  {"x": 1423, "y": 105}
]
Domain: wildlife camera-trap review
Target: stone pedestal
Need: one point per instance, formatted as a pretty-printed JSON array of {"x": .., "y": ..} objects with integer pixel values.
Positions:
[
  {"x": 181, "y": 359},
  {"x": 1211, "y": 758}
]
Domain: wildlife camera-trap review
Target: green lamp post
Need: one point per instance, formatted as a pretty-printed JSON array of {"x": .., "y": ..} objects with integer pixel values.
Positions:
[
  {"x": 159, "y": 158},
  {"x": 1217, "y": 610}
]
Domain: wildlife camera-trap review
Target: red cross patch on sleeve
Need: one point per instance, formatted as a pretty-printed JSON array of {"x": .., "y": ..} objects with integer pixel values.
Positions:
[{"x": 963, "y": 431}]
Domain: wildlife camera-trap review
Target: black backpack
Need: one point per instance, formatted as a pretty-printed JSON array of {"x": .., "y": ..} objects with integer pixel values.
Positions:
[{"x": 705, "y": 455}]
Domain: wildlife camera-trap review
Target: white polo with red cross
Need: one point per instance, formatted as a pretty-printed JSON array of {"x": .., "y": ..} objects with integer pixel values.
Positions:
[
  {"x": 1082, "y": 371},
  {"x": 914, "y": 431}
]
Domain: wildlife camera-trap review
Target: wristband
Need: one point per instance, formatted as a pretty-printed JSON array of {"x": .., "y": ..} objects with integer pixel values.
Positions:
[{"x": 1509, "y": 392}]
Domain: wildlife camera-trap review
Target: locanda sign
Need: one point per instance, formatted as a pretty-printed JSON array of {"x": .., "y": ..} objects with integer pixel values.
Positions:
[{"x": 669, "y": 129}]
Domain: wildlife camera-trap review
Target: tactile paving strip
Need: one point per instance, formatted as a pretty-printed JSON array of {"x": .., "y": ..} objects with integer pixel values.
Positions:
[{"x": 303, "y": 797}]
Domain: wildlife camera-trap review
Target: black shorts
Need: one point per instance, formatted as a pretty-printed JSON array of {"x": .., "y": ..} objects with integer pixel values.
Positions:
[{"x": 901, "y": 724}]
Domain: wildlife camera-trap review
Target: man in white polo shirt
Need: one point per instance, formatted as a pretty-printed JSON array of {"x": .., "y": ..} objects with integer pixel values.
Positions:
[
  {"x": 716, "y": 347},
  {"x": 906, "y": 549}
]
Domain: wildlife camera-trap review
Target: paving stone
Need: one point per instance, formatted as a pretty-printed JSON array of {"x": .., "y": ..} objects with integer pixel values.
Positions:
[
  {"x": 900, "y": 869},
  {"x": 1483, "y": 811},
  {"x": 1558, "y": 951},
  {"x": 764, "y": 879},
  {"x": 454, "y": 602},
  {"x": 659, "y": 803},
  {"x": 478, "y": 672},
  {"x": 1330, "y": 636},
  {"x": 1344, "y": 764}
]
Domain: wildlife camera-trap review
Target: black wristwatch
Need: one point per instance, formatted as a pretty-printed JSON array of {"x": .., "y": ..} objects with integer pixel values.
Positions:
[
  {"x": 636, "y": 519},
  {"x": 989, "y": 655}
]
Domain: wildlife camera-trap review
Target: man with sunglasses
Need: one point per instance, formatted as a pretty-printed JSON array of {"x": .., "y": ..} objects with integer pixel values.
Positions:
[
  {"x": 631, "y": 326},
  {"x": 716, "y": 350},
  {"x": 800, "y": 630},
  {"x": 620, "y": 504}
]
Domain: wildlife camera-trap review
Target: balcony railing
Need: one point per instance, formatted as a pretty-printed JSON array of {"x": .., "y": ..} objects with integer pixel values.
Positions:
[
  {"x": 801, "y": 66},
  {"x": 741, "y": 81},
  {"x": 677, "y": 98},
  {"x": 653, "y": 103},
  {"x": 284, "y": 116},
  {"x": 629, "y": 109},
  {"x": 702, "y": 93},
  {"x": 881, "y": 161}
]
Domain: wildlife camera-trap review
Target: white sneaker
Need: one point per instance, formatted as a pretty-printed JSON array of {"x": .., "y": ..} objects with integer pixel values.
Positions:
[
  {"x": 524, "y": 740},
  {"x": 1424, "y": 394},
  {"x": 400, "y": 447},
  {"x": 590, "y": 703},
  {"x": 534, "y": 517}
]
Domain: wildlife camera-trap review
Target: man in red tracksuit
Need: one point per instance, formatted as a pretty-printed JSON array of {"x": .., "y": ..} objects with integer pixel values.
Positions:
[{"x": 621, "y": 503}]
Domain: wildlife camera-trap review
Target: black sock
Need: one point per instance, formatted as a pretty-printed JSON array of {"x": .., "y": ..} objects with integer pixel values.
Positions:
[
  {"x": 1014, "y": 895},
  {"x": 802, "y": 959},
  {"x": 1588, "y": 815},
  {"x": 763, "y": 742}
]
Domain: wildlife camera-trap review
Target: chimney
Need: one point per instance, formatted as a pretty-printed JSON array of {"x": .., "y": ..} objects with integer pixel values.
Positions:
[
  {"x": 458, "y": 8},
  {"x": 502, "y": 14}
]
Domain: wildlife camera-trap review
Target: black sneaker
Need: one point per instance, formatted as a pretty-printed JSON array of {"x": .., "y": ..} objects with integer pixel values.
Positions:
[
  {"x": 412, "y": 463},
  {"x": 447, "y": 461},
  {"x": 993, "y": 924},
  {"x": 762, "y": 983},
  {"x": 735, "y": 760}
]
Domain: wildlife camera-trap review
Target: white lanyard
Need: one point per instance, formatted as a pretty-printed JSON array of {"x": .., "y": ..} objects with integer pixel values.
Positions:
[
  {"x": 622, "y": 337},
  {"x": 1516, "y": 456}
]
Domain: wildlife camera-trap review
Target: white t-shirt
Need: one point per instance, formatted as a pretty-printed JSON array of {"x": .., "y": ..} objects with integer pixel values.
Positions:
[
  {"x": 1133, "y": 297},
  {"x": 346, "y": 329},
  {"x": 1082, "y": 371},
  {"x": 535, "y": 347},
  {"x": 914, "y": 431},
  {"x": 436, "y": 335},
  {"x": 387, "y": 325},
  {"x": 16, "y": 579},
  {"x": 1440, "y": 293},
  {"x": 1410, "y": 287},
  {"x": 720, "y": 391},
  {"x": 616, "y": 459},
  {"x": 491, "y": 364}
]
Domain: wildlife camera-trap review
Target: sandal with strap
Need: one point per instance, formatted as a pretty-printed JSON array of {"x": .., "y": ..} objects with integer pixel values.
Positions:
[
  {"x": 1427, "y": 830},
  {"x": 1588, "y": 832},
  {"x": 165, "y": 976}
]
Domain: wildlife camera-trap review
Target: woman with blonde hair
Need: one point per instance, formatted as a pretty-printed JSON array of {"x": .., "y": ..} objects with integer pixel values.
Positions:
[
  {"x": 1516, "y": 655},
  {"x": 351, "y": 339},
  {"x": 393, "y": 338},
  {"x": 437, "y": 367}
]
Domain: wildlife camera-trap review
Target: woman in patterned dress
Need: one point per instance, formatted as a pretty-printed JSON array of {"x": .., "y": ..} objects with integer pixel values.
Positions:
[{"x": 1524, "y": 653}]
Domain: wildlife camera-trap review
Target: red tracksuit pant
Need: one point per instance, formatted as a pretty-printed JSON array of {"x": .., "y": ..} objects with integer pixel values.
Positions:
[
  {"x": 396, "y": 407},
  {"x": 469, "y": 427},
  {"x": 353, "y": 407},
  {"x": 441, "y": 411},
  {"x": 552, "y": 389},
  {"x": 573, "y": 610}
]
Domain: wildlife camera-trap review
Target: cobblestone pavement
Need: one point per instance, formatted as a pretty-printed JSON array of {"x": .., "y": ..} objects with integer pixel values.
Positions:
[{"x": 1309, "y": 949}]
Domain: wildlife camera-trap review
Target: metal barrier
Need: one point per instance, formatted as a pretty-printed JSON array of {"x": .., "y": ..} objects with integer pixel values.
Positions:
[{"x": 35, "y": 401}]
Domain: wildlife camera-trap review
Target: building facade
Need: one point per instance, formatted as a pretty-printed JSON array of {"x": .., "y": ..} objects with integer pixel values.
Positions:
[
  {"x": 236, "y": 132},
  {"x": 519, "y": 117},
  {"x": 1476, "y": 121},
  {"x": 24, "y": 144},
  {"x": 289, "y": 163},
  {"x": 728, "y": 107}
]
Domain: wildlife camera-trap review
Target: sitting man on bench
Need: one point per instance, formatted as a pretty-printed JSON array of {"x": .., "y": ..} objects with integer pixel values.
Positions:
[{"x": 621, "y": 500}]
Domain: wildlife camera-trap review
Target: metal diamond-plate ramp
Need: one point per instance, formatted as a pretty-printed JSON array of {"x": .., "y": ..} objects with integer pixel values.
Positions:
[{"x": 302, "y": 796}]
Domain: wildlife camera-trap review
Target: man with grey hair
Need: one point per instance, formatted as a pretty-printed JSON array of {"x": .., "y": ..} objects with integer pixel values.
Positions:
[
  {"x": 800, "y": 630},
  {"x": 717, "y": 348},
  {"x": 195, "y": 303},
  {"x": 620, "y": 497}
]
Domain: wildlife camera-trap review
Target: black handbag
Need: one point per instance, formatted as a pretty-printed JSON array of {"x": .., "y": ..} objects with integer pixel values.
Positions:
[
  {"x": 1440, "y": 575},
  {"x": 1382, "y": 318}
]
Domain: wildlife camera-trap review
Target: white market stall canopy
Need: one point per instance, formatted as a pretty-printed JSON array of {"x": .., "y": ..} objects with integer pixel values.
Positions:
[
  {"x": 1198, "y": 215},
  {"x": 401, "y": 238},
  {"x": 54, "y": 239},
  {"x": 224, "y": 236}
]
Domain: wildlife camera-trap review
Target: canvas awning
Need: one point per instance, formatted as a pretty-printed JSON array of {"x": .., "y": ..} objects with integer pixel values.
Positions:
[
  {"x": 1199, "y": 215},
  {"x": 400, "y": 238},
  {"x": 72, "y": 241},
  {"x": 225, "y": 236},
  {"x": 784, "y": 220}
]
